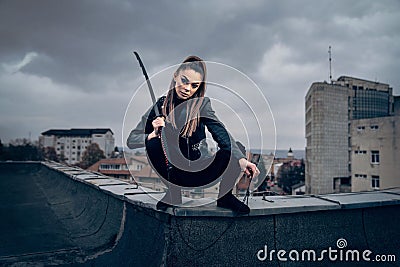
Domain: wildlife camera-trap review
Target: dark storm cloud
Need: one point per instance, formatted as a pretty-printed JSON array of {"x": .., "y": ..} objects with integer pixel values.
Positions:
[
  {"x": 64, "y": 58},
  {"x": 77, "y": 38}
]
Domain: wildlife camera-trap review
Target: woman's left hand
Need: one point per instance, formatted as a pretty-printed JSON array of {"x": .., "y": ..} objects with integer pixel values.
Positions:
[{"x": 249, "y": 168}]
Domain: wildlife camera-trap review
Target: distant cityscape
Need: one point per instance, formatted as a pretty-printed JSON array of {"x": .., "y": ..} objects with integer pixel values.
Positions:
[
  {"x": 282, "y": 153},
  {"x": 352, "y": 144}
]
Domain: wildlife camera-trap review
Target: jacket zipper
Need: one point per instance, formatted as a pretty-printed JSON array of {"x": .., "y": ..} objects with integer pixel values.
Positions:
[{"x": 187, "y": 143}]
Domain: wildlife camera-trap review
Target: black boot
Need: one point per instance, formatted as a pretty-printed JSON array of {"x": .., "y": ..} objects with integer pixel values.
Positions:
[
  {"x": 229, "y": 201},
  {"x": 163, "y": 205},
  {"x": 172, "y": 198}
]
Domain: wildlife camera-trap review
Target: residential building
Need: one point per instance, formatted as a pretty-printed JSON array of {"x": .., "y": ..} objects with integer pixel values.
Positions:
[
  {"x": 141, "y": 171},
  {"x": 136, "y": 163},
  {"x": 70, "y": 144},
  {"x": 274, "y": 162},
  {"x": 148, "y": 178},
  {"x": 114, "y": 167},
  {"x": 330, "y": 110},
  {"x": 375, "y": 153}
]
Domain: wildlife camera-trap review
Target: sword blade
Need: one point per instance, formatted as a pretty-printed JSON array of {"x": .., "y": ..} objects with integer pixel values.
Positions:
[{"x": 153, "y": 97}]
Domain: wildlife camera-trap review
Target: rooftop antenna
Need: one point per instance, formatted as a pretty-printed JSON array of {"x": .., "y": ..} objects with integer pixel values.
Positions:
[{"x": 330, "y": 64}]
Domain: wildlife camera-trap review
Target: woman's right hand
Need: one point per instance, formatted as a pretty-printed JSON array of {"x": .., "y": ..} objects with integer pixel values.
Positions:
[{"x": 157, "y": 123}]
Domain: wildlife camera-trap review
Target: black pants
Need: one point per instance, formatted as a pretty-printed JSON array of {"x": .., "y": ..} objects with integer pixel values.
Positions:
[{"x": 223, "y": 166}]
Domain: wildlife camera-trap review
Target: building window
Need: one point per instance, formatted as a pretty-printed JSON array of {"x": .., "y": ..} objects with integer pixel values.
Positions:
[
  {"x": 360, "y": 175},
  {"x": 104, "y": 167},
  {"x": 360, "y": 128},
  {"x": 375, "y": 182},
  {"x": 110, "y": 166},
  {"x": 360, "y": 152},
  {"x": 370, "y": 103},
  {"x": 374, "y": 127},
  {"x": 375, "y": 156}
]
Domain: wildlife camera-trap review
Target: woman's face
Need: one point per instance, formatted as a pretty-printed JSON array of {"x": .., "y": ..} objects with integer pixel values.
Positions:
[{"x": 187, "y": 82}]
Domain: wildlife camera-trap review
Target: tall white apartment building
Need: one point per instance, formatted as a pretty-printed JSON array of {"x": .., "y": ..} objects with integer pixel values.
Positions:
[
  {"x": 70, "y": 144},
  {"x": 330, "y": 110}
]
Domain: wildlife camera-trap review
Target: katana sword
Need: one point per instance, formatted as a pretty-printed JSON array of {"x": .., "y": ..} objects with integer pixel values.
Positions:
[
  {"x": 153, "y": 97},
  {"x": 163, "y": 143}
]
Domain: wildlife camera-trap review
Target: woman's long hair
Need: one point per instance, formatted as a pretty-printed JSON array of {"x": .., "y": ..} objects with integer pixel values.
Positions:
[{"x": 192, "y": 112}]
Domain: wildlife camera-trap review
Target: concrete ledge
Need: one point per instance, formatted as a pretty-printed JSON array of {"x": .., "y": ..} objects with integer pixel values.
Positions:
[
  {"x": 148, "y": 198},
  {"x": 101, "y": 221},
  {"x": 364, "y": 199}
]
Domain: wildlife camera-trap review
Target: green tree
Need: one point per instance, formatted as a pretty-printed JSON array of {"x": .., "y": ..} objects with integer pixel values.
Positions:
[
  {"x": 62, "y": 157},
  {"x": 20, "y": 142},
  {"x": 1, "y": 150},
  {"x": 21, "y": 150},
  {"x": 49, "y": 153},
  {"x": 91, "y": 155},
  {"x": 289, "y": 175}
]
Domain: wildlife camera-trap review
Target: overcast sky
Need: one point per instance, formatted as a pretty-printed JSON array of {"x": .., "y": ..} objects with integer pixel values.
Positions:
[{"x": 69, "y": 64}]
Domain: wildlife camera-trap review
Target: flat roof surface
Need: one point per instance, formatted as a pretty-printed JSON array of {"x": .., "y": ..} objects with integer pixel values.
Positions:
[
  {"x": 53, "y": 214},
  {"x": 28, "y": 224}
]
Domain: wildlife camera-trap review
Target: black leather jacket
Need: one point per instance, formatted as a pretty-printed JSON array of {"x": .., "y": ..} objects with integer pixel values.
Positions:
[{"x": 192, "y": 147}]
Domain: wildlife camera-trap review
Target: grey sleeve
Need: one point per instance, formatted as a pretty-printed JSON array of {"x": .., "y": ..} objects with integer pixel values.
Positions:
[
  {"x": 138, "y": 135},
  {"x": 218, "y": 131}
]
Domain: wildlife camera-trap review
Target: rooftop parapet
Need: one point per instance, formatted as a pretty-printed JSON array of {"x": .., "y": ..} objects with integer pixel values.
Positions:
[{"x": 65, "y": 215}]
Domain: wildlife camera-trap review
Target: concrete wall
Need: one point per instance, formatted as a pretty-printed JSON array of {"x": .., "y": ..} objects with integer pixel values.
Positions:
[
  {"x": 98, "y": 221},
  {"x": 327, "y": 137},
  {"x": 386, "y": 140}
]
